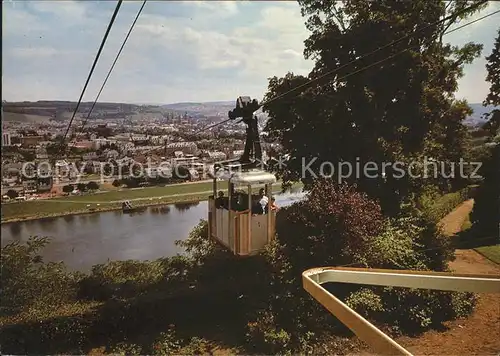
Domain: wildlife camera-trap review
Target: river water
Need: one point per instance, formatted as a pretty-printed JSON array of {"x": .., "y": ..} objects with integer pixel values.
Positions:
[{"x": 82, "y": 241}]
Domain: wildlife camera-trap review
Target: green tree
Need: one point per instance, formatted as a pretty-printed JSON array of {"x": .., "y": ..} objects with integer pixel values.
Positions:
[
  {"x": 68, "y": 188},
  {"x": 92, "y": 185},
  {"x": 397, "y": 111},
  {"x": 181, "y": 172},
  {"x": 12, "y": 194},
  {"x": 486, "y": 213},
  {"x": 492, "y": 65},
  {"x": 493, "y": 97}
]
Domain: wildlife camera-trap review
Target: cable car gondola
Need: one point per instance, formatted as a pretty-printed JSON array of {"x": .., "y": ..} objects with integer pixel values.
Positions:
[{"x": 241, "y": 221}]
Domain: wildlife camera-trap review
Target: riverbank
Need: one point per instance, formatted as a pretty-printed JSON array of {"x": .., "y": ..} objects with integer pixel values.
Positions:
[{"x": 109, "y": 201}]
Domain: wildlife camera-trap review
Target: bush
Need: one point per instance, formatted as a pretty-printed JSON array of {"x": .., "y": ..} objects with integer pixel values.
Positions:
[
  {"x": 445, "y": 204},
  {"x": 12, "y": 194},
  {"x": 27, "y": 281},
  {"x": 122, "y": 279},
  {"x": 335, "y": 225},
  {"x": 133, "y": 182},
  {"x": 265, "y": 333},
  {"x": 116, "y": 183},
  {"x": 68, "y": 188},
  {"x": 168, "y": 343},
  {"x": 332, "y": 226},
  {"x": 124, "y": 349},
  {"x": 181, "y": 173},
  {"x": 485, "y": 216},
  {"x": 92, "y": 185}
]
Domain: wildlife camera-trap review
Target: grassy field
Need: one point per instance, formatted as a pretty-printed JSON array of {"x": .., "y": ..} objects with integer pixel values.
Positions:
[
  {"x": 108, "y": 201},
  {"x": 490, "y": 252}
]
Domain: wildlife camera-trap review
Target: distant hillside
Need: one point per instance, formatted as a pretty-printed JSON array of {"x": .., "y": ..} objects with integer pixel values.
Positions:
[
  {"x": 60, "y": 110},
  {"x": 17, "y": 117},
  {"x": 205, "y": 108},
  {"x": 477, "y": 118}
]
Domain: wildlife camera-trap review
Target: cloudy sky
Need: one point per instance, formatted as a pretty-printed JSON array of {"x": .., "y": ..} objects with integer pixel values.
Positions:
[{"x": 179, "y": 51}]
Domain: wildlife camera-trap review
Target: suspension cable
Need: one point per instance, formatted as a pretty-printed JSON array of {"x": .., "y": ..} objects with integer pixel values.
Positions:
[
  {"x": 312, "y": 81},
  {"x": 103, "y": 42},
  {"x": 307, "y": 84},
  {"x": 113, "y": 65}
]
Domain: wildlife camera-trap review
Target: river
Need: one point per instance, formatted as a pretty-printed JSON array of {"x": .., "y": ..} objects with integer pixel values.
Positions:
[{"x": 82, "y": 241}]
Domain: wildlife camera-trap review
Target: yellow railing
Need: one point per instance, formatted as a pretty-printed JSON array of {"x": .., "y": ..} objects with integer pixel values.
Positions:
[{"x": 376, "y": 339}]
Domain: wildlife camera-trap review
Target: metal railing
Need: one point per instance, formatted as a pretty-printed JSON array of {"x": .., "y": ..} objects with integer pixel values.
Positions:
[{"x": 370, "y": 334}]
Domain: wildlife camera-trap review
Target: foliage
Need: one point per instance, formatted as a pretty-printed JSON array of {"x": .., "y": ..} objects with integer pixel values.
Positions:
[
  {"x": 122, "y": 279},
  {"x": 333, "y": 224},
  {"x": 82, "y": 187},
  {"x": 398, "y": 111},
  {"x": 265, "y": 332},
  {"x": 26, "y": 281},
  {"x": 12, "y": 194},
  {"x": 116, "y": 183},
  {"x": 255, "y": 294},
  {"x": 336, "y": 225},
  {"x": 181, "y": 172},
  {"x": 437, "y": 207},
  {"x": 124, "y": 349},
  {"x": 492, "y": 65},
  {"x": 92, "y": 185},
  {"x": 168, "y": 343},
  {"x": 198, "y": 245},
  {"x": 133, "y": 182},
  {"x": 68, "y": 188},
  {"x": 485, "y": 215}
]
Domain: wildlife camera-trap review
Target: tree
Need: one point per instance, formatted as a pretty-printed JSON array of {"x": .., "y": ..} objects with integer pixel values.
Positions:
[
  {"x": 397, "y": 111},
  {"x": 485, "y": 215},
  {"x": 92, "y": 185},
  {"x": 486, "y": 212},
  {"x": 492, "y": 65},
  {"x": 68, "y": 188},
  {"x": 181, "y": 172},
  {"x": 133, "y": 182},
  {"x": 89, "y": 168},
  {"x": 110, "y": 167},
  {"x": 493, "y": 97},
  {"x": 12, "y": 194}
]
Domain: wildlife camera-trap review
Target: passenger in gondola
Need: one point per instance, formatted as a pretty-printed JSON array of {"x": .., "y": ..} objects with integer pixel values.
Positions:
[
  {"x": 263, "y": 200},
  {"x": 237, "y": 202},
  {"x": 273, "y": 206},
  {"x": 256, "y": 207}
]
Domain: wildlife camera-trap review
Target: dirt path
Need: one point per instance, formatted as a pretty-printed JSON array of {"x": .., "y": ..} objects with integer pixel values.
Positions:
[
  {"x": 452, "y": 223},
  {"x": 479, "y": 334}
]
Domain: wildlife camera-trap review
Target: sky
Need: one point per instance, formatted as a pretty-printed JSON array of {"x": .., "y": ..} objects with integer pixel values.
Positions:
[{"x": 179, "y": 51}]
